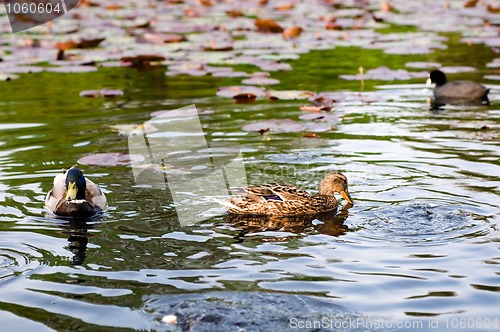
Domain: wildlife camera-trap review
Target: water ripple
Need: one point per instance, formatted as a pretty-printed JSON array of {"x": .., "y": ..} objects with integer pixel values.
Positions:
[{"x": 420, "y": 224}]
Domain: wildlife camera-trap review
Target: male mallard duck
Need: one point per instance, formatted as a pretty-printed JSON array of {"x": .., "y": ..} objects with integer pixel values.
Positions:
[
  {"x": 457, "y": 92},
  {"x": 75, "y": 196},
  {"x": 288, "y": 200}
]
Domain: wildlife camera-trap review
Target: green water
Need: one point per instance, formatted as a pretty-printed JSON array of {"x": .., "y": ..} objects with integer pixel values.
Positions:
[{"x": 422, "y": 239}]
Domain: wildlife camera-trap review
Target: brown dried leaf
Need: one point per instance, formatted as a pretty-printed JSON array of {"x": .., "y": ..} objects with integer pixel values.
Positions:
[
  {"x": 386, "y": 6},
  {"x": 89, "y": 43},
  {"x": 268, "y": 25},
  {"x": 245, "y": 98},
  {"x": 142, "y": 60},
  {"x": 67, "y": 45},
  {"x": 491, "y": 9},
  {"x": 471, "y": 3},
  {"x": 285, "y": 7},
  {"x": 234, "y": 13},
  {"x": 292, "y": 32}
]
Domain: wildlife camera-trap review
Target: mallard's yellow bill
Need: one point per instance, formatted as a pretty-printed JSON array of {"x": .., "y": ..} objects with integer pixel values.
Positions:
[
  {"x": 347, "y": 196},
  {"x": 72, "y": 191}
]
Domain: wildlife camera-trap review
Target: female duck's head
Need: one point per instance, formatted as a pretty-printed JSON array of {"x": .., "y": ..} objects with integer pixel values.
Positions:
[
  {"x": 75, "y": 184},
  {"x": 335, "y": 182}
]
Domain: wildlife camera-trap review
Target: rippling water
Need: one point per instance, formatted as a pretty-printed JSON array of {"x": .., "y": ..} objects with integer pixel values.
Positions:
[{"x": 421, "y": 244}]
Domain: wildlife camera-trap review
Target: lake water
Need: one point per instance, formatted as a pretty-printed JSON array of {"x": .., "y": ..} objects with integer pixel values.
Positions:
[{"x": 419, "y": 250}]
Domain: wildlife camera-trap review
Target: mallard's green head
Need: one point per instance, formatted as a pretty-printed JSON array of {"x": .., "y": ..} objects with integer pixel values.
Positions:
[{"x": 75, "y": 184}]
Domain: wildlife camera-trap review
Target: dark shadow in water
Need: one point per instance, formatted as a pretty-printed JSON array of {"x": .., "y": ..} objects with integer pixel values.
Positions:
[
  {"x": 256, "y": 311},
  {"x": 331, "y": 223},
  {"x": 78, "y": 240},
  {"x": 77, "y": 231},
  {"x": 438, "y": 104}
]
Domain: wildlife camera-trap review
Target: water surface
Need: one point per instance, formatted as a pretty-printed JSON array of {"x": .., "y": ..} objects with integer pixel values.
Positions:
[{"x": 420, "y": 244}]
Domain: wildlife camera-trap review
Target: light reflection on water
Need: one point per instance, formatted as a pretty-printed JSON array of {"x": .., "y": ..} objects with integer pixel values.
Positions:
[{"x": 421, "y": 240}]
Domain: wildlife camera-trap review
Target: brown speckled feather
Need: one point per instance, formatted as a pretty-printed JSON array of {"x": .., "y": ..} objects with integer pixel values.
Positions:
[{"x": 287, "y": 200}]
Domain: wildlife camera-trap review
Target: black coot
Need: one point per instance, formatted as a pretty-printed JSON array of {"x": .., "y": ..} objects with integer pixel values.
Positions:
[{"x": 458, "y": 92}]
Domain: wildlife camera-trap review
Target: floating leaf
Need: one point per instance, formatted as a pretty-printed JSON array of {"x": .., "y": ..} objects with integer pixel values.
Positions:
[
  {"x": 72, "y": 69},
  {"x": 256, "y": 80},
  {"x": 422, "y": 65},
  {"x": 230, "y": 74},
  {"x": 232, "y": 91},
  {"x": 384, "y": 74},
  {"x": 292, "y": 32},
  {"x": 101, "y": 93},
  {"x": 89, "y": 43},
  {"x": 457, "y": 69},
  {"x": 268, "y": 25},
  {"x": 142, "y": 60},
  {"x": 288, "y": 94},
  {"x": 273, "y": 65},
  {"x": 285, "y": 126},
  {"x": 310, "y": 135},
  {"x": 110, "y": 159},
  {"x": 320, "y": 116},
  {"x": 492, "y": 77},
  {"x": 160, "y": 38},
  {"x": 318, "y": 104},
  {"x": 245, "y": 98},
  {"x": 274, "y": 125}
]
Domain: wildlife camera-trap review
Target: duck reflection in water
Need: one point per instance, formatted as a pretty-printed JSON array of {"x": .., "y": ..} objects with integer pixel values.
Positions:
[
  {"x": 78, "y": 239},
  {"x": 329, "y": 223}
]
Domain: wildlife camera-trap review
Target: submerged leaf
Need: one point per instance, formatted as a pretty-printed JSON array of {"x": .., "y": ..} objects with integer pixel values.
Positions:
[{"x": 110, "y": 159}]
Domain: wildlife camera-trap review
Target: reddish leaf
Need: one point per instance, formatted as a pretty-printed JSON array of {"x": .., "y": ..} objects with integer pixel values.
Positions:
[
  {"x": 292, "y": 32},
  {"x": 268, "y": 25}
]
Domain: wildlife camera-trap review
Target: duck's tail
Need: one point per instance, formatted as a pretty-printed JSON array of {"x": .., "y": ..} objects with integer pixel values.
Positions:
[{"x": 227, "y": 204}]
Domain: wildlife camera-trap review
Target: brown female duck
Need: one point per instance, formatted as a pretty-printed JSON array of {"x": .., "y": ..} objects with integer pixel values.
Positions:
[{"x": 288, "y": 200}]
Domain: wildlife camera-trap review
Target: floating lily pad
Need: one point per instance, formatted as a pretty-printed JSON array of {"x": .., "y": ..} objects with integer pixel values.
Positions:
[
  {"x": 320, "y": 116},
  {"x": 260, "y": 81},
  {"x": 108, "y": 93},
  {"x": 72, "y": 69},
  {"x": 457, "y": 69},
  {"x": 232, "y": 91},
  {"x": 423, "y": 65},
  {"x": 384, "y": 74},
  {"x": 285, "y": 126},
  {"x": 268, "y": 25},
  {"x": 143, "y": 60},
  {"x": 110, "y": 159},
  {"x": 492, "y": 77},
  {"x": 230, "y": 74},
  {"x": 288, "y": 94},
  {"x": 244, "y": 98}
]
